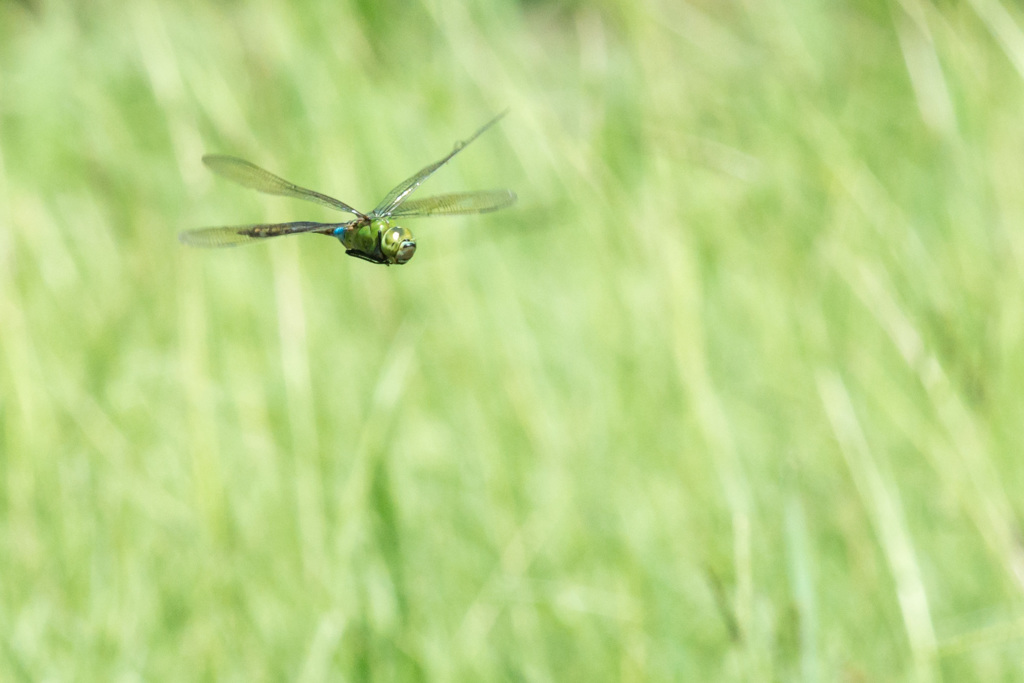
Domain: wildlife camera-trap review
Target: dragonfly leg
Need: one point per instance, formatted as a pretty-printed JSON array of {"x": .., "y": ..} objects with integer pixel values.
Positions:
[{"x": 367, "y": 257}]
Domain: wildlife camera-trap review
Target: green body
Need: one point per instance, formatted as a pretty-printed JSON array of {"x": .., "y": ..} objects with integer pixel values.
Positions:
[
  {"x": 378, "y": 241},
  {"x": 363, "y": 238}
]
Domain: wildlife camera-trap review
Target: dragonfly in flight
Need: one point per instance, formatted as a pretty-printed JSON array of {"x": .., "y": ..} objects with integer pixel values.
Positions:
[{"x": 370, "y": 236}]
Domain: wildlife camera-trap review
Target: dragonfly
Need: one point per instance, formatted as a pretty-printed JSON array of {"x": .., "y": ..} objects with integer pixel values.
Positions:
[{"x": 373, "y": 236}]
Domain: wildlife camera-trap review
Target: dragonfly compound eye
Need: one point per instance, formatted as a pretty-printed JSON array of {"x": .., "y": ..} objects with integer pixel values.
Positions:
[{"x": 398, "y": 245}]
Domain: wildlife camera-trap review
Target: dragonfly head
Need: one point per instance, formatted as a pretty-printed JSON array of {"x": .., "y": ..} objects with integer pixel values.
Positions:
[{"x": 396, "y": 243}]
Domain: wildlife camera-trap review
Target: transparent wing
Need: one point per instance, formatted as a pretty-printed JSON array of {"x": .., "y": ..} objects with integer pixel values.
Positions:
[
  {"x": 458, "y": 203},
  {"x": 394, "y": 199},
  {"x": 254, "y": 177},
  {"x": 233, "y": 235}
]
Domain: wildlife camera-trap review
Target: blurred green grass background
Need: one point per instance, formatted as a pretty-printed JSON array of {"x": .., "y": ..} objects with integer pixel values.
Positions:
[{"x": 733, "y": 393}]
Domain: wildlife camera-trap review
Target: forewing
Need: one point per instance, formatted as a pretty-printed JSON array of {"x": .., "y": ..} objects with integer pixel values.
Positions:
[
  {"x": 394, "y": 199},
  {"x": 457, "y": 203},
  {"x": 233, "y": 235},
  {"x": 254, "y": 177}
]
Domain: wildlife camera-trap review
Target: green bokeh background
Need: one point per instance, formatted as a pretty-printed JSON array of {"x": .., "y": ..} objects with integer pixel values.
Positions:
[{"x": 733, "y": 393}]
